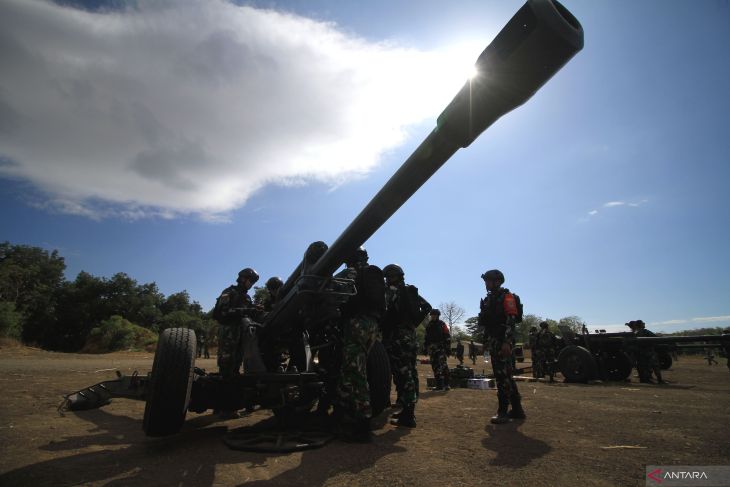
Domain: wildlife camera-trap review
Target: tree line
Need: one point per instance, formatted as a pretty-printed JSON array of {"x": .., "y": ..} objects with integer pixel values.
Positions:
[{"x": 40, "y": 307}]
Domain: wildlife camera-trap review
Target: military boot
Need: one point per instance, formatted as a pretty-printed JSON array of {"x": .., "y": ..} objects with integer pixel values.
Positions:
[
  {"x": 406, "y": 417},
  {"x": 363, "y": 432},
  {"x": 501, "y": 417},
  {"x": 516, "y": 412}
]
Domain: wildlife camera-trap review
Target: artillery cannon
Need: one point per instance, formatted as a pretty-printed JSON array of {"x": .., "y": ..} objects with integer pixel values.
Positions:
[
  {"x": 534, "y": 45},
  {"x": 607, "y": 356}
]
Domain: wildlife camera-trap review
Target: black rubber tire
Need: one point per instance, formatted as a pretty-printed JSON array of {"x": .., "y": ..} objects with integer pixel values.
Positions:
[
  {"x": 577, "y": 364},
  {"x": 617, "y": 366},
  {"x": 665, "y": 360},
  {"x": 168, "y": 395},
  {"x": 379, "y": 378}
]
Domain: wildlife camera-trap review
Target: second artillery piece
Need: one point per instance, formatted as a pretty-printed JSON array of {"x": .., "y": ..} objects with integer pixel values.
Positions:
[
  {"x": 607, "y": 356},
  {"x": 534, "y": 45}
]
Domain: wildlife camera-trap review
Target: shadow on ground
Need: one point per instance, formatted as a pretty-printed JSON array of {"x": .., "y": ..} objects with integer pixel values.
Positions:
[
  {"x": 122, "y": 455},
  {"x": 513, "y": 449}
]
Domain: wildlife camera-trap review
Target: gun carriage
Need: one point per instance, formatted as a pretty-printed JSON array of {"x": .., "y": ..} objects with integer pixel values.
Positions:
[
  {"x": 608, "y": 356},
  {"x": 534, "y": 45}
]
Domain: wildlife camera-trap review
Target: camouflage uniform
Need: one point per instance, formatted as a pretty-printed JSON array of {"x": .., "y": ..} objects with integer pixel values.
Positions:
[
  {"x": 405, "y": 309},
  {"x": 460, "y": 353},
  {"x": 229, "y": 311},
  {"x": 497, "y": 316},
  {"x": 647, "y": 360},
  {"x": 438, "y": 340},
  {"x": 360, "y": 330},
  {"x": 544, "y": 350}
]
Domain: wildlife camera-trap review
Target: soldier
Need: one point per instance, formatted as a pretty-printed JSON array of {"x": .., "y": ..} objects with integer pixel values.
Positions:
[
  {"x": 270, "y": 298},
  {"x": 438, "y": 341},
  {"x": 405, "y": 310},
  {"x": 499, "y": 313},
  {"x": 647, "y": 360},
  {"x": 472, "y": 352},
  {"x": 545, "y": 349},
  {"x": 202, "y": 344},
  {"x": 360, "y": 316},
  {"x": 532, "y": 343},
  {"x": 460, "y": 352},
  {"x": 231, "y": 307},
  {"x": 710, "y": 357}
]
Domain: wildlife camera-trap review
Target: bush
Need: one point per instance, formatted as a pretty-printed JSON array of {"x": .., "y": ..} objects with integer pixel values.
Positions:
[
  {"x": 11, "y": 322},
  {"x": 116, "y": 333}
]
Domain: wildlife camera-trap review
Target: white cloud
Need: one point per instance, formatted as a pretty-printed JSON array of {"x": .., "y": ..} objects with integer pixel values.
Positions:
[
  {"x": 711, "y": 319},
  {"x": 191, "y": 106},
  {"x": 611, "y": 204},
  {"x": 615, "y": 204}
]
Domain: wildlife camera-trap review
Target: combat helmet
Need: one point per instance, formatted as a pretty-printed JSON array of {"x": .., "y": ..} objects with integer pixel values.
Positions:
[
  {"x": 249, "y": 274},
  {"x": 358, "y": 257},
  {"x": 274, "y": 283},
  {"x": 393, "y": 270},
  {"x": 435, "y": 312},
  {"x": 494, "y": 275}
]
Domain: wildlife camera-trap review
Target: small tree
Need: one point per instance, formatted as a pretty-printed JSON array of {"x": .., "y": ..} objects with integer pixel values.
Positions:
[
  {"x": 460, "y": 333},
  {"x": 573, "y": 322},
  {"x": 472, "y": 326},
  {"x": 10, "y": 321},
  {"x": 523, "y": 329},
  {"x": 451, "y": 313}
]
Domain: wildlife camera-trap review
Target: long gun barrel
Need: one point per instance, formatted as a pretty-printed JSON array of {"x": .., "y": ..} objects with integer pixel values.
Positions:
[{"x": 534, "y": 45}]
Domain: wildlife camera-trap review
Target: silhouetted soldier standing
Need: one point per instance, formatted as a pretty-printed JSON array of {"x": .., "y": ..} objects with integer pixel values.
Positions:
[{"x": 499, "y": 313}]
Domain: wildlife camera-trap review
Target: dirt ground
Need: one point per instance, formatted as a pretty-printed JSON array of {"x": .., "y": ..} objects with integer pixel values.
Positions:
[{"x": 561, "y": 443}]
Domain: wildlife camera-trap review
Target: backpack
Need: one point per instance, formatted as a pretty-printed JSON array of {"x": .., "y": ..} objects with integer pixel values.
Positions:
[{"x": 518, "y": 305}]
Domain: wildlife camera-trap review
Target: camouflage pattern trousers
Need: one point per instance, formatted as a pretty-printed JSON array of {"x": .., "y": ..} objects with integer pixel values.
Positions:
[
  {"x": 230, "y": 349},
  {"x": 353, "y": 392},
  {"x": 503, "y": 370},
  {"x": 647, "y": 362},
  {"x": 402, "y": 348},
  {"x": 437, "y": 357},
  {"x": 544, "y": 358}
]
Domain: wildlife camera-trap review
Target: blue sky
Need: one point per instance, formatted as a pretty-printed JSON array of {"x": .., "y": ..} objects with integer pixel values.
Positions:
[{"x": 604, "y": 196}]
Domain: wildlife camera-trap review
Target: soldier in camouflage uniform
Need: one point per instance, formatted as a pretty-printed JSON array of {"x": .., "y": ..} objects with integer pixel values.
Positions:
[
  {"x": 271, "y": 297},
  {"x": 534, "y": 354},
  {"x": 498, "y": 315},
  {"x": 545, "y": 350},
  {"x": 438, "y": 341},
  {"x": 647, "y": 360},
  {"x": 405, "y": 309},
  {"x": 360, "y": 316},
  {"x": 232, "y": 306}
]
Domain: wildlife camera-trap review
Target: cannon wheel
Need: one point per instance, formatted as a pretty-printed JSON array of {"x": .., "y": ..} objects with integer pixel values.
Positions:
[
  {"x": 169, "y": 388},
  {"x": 665, "y": 360},
  {"x": 379, "y": 378},
  {"x": 617, "y": 366},
  {"x": 577, "y": 364}
]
